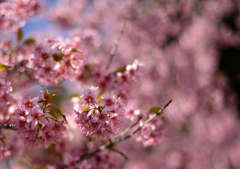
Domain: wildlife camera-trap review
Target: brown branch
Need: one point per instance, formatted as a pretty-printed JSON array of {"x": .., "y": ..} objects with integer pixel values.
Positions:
[
  {"x": 114, "y": 48},
  {"x": 8, "y": 126},
  {"x": 111, "y": 143}
]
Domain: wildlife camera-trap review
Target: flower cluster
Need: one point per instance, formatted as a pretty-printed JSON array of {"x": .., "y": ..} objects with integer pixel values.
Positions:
[
  {"x": 102, "y": 119},
  {"x": 14, "y": 13},
  {"x": 4, "y": 151},
  {"x": 151, "y": 132},
  {"x": 122, "y": 80},
  {"x": 34, "y": 122},
  {"x": 6, "y": 99},
  {"x": 127, "y": 80},
  {"x": 63, "y": 60},
  {"x": 182, "y": 45},
  {"x": 49, "y": 62}
]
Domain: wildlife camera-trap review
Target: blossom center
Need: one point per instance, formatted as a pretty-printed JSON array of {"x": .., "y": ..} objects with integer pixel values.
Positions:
[
  {"x": 89, "y": 99},
  {"x": 108, "y": 102},
  {"x": 29, "y": 104}
]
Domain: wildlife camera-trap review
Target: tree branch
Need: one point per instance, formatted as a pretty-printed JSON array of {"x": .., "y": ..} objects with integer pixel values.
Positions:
[
  {"x": 119, "y": 152},
  {"x": 8, "y": 126},
  {"x": 114, "y": 48},
  {"x": 129, "y": 128}
]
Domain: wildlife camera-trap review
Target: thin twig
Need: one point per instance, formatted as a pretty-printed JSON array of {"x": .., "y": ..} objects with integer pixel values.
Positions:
[
  {"x": 111, "y": 143},
  {"x": 7, "y": 164},
  {"x": 115, "y": 46},
  {"x": 121, "y": 153},
  {"x": 129, "y": 128}
]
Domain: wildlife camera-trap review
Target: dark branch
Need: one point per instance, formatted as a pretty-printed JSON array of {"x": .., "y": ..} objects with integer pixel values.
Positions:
[
  {"x": 8, "y": 126},
  {"x": 119, "y": 152}
]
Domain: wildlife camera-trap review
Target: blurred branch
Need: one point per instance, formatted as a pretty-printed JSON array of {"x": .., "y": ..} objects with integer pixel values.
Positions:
[
  {"x": 8, "y": 126},
  {"x": 114, "y": 48},
  {"x": 119, "y": 152},
  {"x": 111, "y": 143},
  {"x": 129, "y": 128}
]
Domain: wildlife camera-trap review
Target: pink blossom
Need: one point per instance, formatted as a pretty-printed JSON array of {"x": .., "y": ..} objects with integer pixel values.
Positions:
[
  {"x": 103, "y": 120},
  {"x": 89, "y": 96},
  {"x": 35, "y": 117},
  {"x": 15, "y": 13},
  {"x": 70, "y": 161},
  {"x": 108, "y": 104},
  {"x": 21, "y": 123},
  {"x": 63, "y": 145},
  {"x": 4, "y": 87},
  {"x": 132, "y": 114},
  {"x": 134, "y": 70},
  {"x": 48, "y": 135},
  {"x": 29, "y": 104},
  {"x": 51, "y": 132},
  {"x": 4, "y": 153},
  {"x": 59, "y": 129}
]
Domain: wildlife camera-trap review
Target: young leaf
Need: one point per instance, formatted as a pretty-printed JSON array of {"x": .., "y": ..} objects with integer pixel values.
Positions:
[
  {"x": 53, "y": 113},
  {"x": 154, "y": 109},
  {"x": 64, "y": 117},
  {"x": 57, "y": 56},
  {"x": 51, "y": 97},
  {"x": 19, "y": 34},
  {"x": 29, "y": 41},
  {"x": 163, "y": 119},
  {"x": 57, "y": 112},
  {"x": 74, "y": 95},
  {"x": 121, "y": 70},
  {"x": 41, "y": 101},
  {"x": 3, "y": 67},
  {"x": 75, "y": 50},
  {"x": 60, "y": 112}
]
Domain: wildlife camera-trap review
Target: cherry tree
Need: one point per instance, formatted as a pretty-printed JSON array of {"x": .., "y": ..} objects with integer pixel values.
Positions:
[{"x": 91, "y": 85}]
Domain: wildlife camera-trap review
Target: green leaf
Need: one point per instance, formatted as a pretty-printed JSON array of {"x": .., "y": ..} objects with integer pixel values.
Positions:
[
  {"x": 163, "y": 119},
  {"x": 52, "y": 111},
  {"x": 58, "y": 110},
  {"x": 3, "y": 67},
  {"x": 57, "y": 56},
  {"x": 19, "y": 34},
  {"x": 55, "y": 112},
  {"x": 154, "y": 109},
  {"x": 74, "y": 95},
  {"x": 75, "y": 50},
  {"x": 51, "y": 148},
  {"x": 64, "y": 117},
  {"x": 51, "y": 97},
  {"x": 29, "y": 41}
]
